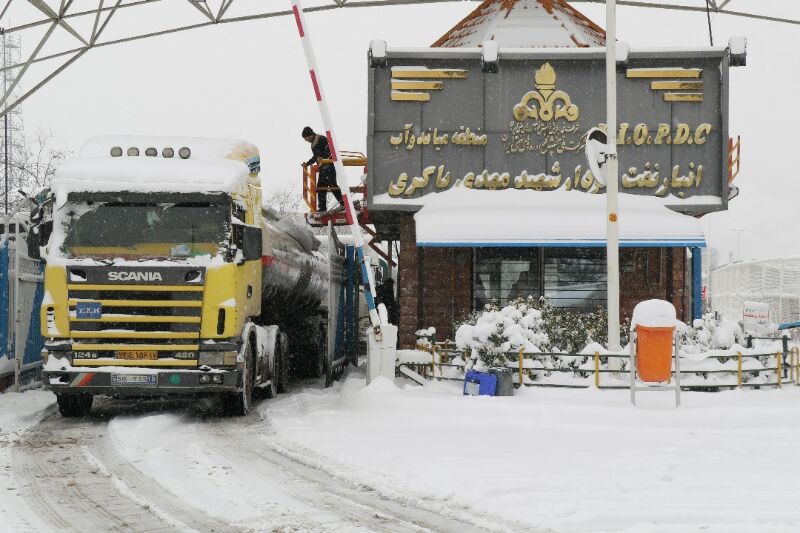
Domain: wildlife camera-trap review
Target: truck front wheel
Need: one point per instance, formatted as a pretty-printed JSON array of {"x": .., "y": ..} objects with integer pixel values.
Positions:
[
  {"x": 240, "y": 402},
  {"x": 74, "y": 405}
]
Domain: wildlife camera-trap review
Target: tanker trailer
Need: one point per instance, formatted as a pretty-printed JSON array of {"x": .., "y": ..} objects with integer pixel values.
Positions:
[
  {"x": 299, "y": 273},
  {"x": 163, "y": 276}
]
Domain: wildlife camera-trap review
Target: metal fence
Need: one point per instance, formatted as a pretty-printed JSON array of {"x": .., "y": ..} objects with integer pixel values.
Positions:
[
  {"x": 780, "y": 368},
  {"x": 21, "y": 292},
  {"x": 772, "y": 281}
]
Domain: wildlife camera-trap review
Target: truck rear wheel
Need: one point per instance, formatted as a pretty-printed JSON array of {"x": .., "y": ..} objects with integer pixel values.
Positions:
[
  {"x": 239, "y": 403},
  {"x": 74, "y": 405}
]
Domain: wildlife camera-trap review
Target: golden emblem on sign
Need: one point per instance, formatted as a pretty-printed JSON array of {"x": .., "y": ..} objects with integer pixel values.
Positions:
[
  {"x": 413, "y": 84},
  {"x": 546, "y": 103},
  {"x": 686, "y": 84}
]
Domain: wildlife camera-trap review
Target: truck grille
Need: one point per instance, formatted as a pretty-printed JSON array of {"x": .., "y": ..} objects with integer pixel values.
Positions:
[{"x": 164, "y": 317}]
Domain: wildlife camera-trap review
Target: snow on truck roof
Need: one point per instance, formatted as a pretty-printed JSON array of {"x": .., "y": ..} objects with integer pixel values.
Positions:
[{"x": 156, "y": 164}]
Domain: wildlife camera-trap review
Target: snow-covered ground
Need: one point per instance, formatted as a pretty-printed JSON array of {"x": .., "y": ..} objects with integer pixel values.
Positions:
[
  {"x": 399, "y": 457},
  {"x": 562, "y": 460},
  {"x": 18, "y": 412}
]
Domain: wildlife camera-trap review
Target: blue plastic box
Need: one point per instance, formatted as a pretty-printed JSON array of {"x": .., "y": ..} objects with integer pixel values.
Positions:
[{"x": 479, "y": 384}]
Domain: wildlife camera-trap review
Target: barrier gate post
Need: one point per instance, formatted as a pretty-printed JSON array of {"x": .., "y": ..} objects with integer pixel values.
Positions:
[{"x": 358, "y": 238}]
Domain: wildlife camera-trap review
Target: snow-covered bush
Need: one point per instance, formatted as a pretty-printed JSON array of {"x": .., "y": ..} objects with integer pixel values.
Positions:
[
  {"x": 709, "y": 333},
  {"x": 570, "y": 331},
  {"x": 426, "y": 337},
  {"x": 535, "y": 326}
]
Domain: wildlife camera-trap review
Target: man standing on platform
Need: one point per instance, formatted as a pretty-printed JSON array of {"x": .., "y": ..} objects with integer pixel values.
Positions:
[{"x": 326, "y": 178}]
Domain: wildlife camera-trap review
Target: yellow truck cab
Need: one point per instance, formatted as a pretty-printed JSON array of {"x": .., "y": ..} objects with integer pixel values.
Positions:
[{"x": 156, "y": 250}]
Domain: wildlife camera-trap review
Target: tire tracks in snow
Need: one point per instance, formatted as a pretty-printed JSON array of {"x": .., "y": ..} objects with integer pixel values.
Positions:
[
  {"x": 378, "y": 510},
  {"x": 75, "y": 478},
  {"x": 70, "y": 477}
]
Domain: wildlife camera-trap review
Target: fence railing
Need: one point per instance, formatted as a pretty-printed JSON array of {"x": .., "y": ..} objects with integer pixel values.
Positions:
[{"x": 786, "y": 368}]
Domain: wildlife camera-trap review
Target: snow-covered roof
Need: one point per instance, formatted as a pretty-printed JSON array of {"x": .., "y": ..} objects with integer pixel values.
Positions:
[
  {"x": 214, "y": 165},
  {"x": 524, "y": 23},
  {"x": 470, "y": 217}
]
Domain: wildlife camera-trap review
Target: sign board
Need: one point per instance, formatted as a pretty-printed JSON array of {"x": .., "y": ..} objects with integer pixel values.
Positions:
[
  {"x": 440, "y": 118},
  {"x": 755, "y": 318}
]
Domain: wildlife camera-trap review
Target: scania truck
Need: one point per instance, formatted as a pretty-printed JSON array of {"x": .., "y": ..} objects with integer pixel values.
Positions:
[{"x": 164, "y": 275}]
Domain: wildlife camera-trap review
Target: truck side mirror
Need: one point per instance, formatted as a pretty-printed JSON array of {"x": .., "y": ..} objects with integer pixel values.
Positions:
[{"x": 248, "y": 240}]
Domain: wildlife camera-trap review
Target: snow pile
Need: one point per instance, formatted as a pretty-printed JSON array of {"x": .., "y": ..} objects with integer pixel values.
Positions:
[
  {"x": 554, "y": 460},
  {"x": 413, "y": 357},
  {"x": 214, "y": 165},
  {"x": 426, "y": 337},
  {"x": 472, "y": 216},
  {"x": 654, "y": 313},
  {"x": 710, "y": 333},
  {"x": 6, "y": 365}
]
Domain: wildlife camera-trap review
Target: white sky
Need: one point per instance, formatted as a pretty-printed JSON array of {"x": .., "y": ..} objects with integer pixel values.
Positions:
[{"x": 250, "y": 80}]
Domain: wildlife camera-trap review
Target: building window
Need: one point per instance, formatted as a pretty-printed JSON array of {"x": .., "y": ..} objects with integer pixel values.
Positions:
[
  {"x": 570, "y": 277},
  {"x": 575, "y": 277},
  {"x": 503, "y": 274}
]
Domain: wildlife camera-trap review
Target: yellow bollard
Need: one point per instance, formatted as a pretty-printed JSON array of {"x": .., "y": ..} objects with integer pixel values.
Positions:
[
  {"x": 597, "y": 369},
  {"x": 739, "y": 372},
  {"x": 520, "y": 361},
  {"x": 779, "y": 367}
]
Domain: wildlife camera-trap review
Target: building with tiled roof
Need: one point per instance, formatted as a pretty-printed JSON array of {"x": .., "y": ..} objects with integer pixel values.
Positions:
[{"x": 524, "y": 23}]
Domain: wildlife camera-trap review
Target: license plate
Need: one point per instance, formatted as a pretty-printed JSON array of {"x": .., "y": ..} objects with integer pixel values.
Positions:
[
  {"x": 133, "y": 379},
  {"x": 89, "y": 310},
  {"x": 137, "y": 354}
]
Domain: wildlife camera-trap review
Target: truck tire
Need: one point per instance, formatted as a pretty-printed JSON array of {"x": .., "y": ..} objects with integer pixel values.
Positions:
[
  {"x": 282, "y": 370},
  {"x": 239, "y": 403},
  {"x": 74, "y": 405}
]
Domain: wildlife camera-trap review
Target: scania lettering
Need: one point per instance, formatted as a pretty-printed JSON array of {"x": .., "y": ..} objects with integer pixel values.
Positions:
[
  {"x": 134, "y": 276},
  {"x": 165, "y": 276}
]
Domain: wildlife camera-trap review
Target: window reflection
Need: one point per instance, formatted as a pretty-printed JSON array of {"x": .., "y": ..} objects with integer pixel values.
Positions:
[{"x": 570, "y": 277}]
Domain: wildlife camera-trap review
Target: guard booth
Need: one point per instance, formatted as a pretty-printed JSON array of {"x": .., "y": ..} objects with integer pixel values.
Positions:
[{"x": 21, "y": 292}]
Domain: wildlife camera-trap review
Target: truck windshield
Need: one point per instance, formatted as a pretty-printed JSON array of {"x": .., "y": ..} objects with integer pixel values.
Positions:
[{"x": 140, "y": 231}]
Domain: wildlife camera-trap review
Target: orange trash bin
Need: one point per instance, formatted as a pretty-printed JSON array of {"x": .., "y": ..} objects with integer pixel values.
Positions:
[{"x": 654, "y": 352}]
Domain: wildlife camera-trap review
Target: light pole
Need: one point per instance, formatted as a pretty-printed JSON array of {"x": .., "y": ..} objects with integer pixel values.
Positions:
[
  {"x": 739, "y": 242},
  {"x": 612, "y": 216}
]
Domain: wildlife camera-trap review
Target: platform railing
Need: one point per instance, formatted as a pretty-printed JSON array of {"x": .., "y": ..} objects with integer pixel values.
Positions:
[{"x": 310, "y": 173}]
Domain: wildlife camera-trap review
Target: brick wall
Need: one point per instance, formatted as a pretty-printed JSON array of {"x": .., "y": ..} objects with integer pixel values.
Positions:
[
  {"x": 445, "y": 286},
  {"x": 408, "y": 283},
  {"x": 439, "y": 277},
  {"x": 657, "y": 273}
]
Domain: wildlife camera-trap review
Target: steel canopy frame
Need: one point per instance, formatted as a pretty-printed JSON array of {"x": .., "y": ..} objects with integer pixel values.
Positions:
[{"x": 214, "y": 12}]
